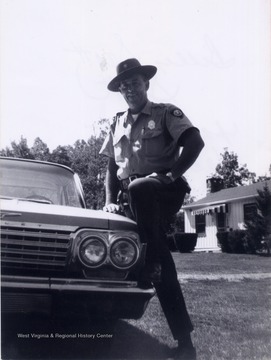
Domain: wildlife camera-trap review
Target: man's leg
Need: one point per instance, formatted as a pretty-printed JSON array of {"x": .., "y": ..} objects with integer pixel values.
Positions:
[
  {"x": 171, "y": 297},
  {"x": 144, "y": 202},
  {"x": 151, "y": 201}
]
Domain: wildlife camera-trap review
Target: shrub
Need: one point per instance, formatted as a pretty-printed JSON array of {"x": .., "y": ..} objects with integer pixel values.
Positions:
[
  {"x": 252, "y": 241},
  {"x": 175, "y": 223},
  {"x": 185, "y": 242},
  {"x": 222, "y": 238},
  {"x": 259, "y": 226},
  {"x": 236, "y": 241}
]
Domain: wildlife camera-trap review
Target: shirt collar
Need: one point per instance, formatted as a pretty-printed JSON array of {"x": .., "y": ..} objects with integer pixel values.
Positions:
[{"x": 146, "y": 110}]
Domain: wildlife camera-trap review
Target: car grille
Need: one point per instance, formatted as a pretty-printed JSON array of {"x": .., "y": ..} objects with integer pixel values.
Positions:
[{"x": 29, "y": 247}]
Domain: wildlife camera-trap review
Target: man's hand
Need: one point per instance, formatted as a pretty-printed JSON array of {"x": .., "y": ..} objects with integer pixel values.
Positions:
[{"x": 112, "y": 208}]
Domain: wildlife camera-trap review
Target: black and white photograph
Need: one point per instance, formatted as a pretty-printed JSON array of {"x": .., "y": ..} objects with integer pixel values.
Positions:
[{"x": 135, "y": 179}]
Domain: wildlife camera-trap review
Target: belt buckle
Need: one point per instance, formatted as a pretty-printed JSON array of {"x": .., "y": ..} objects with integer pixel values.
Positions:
[{"x": 125, "y": 183}]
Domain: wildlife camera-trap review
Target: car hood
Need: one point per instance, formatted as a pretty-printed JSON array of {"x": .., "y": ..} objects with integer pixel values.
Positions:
[{"x": 23, "y": 211}]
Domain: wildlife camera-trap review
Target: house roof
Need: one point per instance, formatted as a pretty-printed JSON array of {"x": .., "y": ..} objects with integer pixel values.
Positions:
[{"x": 226, "y": 196}]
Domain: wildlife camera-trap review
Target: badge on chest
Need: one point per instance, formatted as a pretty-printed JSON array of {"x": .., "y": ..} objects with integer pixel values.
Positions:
[{"x": 151, "y": 125}]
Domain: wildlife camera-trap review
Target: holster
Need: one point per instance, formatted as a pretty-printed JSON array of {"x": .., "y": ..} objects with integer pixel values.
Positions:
[{"x": 123, "y": 203}]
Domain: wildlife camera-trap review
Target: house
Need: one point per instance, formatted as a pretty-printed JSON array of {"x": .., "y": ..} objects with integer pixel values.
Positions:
[{"x": 221, "y": 210}]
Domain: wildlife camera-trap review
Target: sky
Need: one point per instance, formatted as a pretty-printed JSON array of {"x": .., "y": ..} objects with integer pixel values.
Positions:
[{"x": 213, "y": 59}]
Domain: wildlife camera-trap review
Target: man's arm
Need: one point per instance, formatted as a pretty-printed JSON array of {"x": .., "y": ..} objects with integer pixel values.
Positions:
[
  {"x": 192, "y": 145},
  {"x": 111, "y": 187}
]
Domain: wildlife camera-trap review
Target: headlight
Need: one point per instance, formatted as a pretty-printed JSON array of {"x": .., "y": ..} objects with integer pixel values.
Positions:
[
  {"x": 124, "y": 253},
  {"x": 92, "y": 252}
]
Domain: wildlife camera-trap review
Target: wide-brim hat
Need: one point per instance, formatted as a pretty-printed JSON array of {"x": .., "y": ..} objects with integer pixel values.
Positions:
[{"x": 130, "y": 67}]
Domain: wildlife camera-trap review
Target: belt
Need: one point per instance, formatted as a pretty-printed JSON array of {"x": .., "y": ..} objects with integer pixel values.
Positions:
[{"x": 124, "y": 183}]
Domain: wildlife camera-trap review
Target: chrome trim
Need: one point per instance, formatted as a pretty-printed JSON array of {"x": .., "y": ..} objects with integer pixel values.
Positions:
[
  {"x": 73, "y": 285},
  {"x": 32, "y": 245},
  {"x": 4, "y": 214}
]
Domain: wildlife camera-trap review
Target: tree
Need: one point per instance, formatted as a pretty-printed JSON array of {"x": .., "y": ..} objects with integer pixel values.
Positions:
[
  {"x": 103, "y": 126},
  {"x": 91, "y": 168},
  {"x": 188, "y": 199},
  {"x": 6, "y": 152},
  {"x": 232, "y": 174},
  {"x": 40, "y": 150},
  {"x": 259, "y": 225},
  {"x": 265, "y": 177},
  {"x": 83, "y": 158},
  {"x": 19, "y": 150},
  {"x": 62, "y": 155}
]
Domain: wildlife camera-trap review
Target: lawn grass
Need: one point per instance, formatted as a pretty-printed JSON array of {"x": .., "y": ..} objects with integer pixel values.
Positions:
[
  {"x": 221, "y": 263},
  {"x": 232, "y": 319}
]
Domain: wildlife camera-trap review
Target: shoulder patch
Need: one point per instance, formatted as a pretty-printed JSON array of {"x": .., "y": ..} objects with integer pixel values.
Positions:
[{"x": 177, "y": 112}]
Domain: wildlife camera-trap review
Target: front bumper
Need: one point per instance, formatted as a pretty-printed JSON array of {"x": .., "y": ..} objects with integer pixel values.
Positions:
[{"x": 122, "y": 299}]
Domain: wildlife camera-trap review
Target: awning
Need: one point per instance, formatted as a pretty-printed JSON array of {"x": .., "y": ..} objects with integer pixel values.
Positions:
[{"x": 221, "y": 208}]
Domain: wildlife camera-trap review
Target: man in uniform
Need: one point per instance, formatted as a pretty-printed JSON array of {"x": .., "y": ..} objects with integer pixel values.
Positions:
[{"x": 150, "y": 146}]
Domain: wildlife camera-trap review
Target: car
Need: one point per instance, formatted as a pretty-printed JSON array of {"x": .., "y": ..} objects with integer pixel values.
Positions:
[{"x": 57, "y": 256}]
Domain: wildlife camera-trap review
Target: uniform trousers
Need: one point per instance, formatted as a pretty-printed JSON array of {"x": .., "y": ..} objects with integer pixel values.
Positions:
[{"x": 152, "y": 201}]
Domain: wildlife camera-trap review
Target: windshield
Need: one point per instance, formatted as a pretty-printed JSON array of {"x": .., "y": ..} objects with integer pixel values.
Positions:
[{"x": 39, "y": 182}]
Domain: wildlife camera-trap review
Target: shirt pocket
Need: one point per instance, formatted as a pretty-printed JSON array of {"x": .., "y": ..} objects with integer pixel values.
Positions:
[{"x": 153, "y": 142}]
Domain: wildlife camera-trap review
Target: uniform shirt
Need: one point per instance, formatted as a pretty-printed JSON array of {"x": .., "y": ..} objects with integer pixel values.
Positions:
[{"x": 149, "y": 143}]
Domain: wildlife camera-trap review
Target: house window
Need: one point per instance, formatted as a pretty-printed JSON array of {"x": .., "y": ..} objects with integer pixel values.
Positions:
[
  {"x": 221, "y": 221},
  {"x": 200, "y": 224},
  {"x": 250, "y": 210}
]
